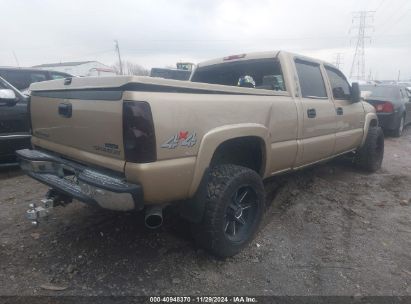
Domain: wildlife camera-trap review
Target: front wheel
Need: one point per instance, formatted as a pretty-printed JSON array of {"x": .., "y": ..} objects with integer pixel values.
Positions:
[
  {"x": 369, "y": 157},
  {"x": 233, "y": 210}
]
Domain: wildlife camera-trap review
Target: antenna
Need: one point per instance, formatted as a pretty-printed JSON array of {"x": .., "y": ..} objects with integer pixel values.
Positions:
[{"x": 360, "y": 21}]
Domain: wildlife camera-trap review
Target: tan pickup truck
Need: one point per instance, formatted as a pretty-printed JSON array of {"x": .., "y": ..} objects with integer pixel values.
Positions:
[{"x": 134, "y": 143}]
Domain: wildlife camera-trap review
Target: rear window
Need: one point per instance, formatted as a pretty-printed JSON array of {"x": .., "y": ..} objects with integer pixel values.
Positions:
[
  {"x": 259, "y": 74},
  {"x": 370, "y": 91}
]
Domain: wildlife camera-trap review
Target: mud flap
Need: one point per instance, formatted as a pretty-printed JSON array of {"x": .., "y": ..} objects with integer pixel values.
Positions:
[{"x": 192, "y": 209}]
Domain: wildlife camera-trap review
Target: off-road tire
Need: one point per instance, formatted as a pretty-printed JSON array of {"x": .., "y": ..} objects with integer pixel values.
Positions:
[
  {"x": 398, "y": 131},
  {"x": 225, "y": 182},
  {"x": 369, "y": 157}
]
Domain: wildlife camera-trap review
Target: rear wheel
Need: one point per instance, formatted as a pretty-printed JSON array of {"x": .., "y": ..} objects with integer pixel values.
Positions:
[
  {"x": 369, "y": 157},
  {"x": 398, "y": 131},
  {"x": 233, "y": 210}
]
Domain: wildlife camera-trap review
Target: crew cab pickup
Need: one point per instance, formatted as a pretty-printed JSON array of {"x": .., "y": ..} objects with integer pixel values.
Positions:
[{"x": 134, "y": 143}]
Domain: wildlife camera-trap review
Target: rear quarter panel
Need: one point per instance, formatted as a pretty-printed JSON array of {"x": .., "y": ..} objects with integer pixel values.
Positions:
[{"x": 213, "y": 118}]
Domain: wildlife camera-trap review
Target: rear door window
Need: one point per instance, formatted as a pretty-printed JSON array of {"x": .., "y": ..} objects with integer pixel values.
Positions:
[{"x": 311, "y": 80}]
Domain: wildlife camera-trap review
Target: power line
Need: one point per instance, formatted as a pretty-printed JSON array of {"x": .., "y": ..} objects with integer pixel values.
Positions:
[
  {"x": 380, "y": 5},
  {"x": 398, "y": 19},
  {"x": 389, "y": 18},
  {"x": 362, "y": 20}
]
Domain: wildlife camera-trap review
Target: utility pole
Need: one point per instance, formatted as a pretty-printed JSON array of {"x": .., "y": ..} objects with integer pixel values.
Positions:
[
  {"x": 361, "y": 21},
  {"x": 119, "y": 57},
  {"x": 399, "y": 74},
  {"x": 338, "y": 60}
]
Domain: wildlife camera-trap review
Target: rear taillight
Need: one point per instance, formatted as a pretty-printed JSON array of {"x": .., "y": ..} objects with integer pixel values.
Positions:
[
  {"x": 385, "y": 107},
  {"x": 138, "y": 132}
]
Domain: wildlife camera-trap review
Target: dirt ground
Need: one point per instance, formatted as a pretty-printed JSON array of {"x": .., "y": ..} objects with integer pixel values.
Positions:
[{"x": 329, "y": 230}]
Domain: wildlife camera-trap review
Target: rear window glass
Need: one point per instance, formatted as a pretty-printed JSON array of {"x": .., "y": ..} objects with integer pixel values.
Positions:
[
  {"x": 370, "y": 91},
  {"x": 259, "y": 74}
]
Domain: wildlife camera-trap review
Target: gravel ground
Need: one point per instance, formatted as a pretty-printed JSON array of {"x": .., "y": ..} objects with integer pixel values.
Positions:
[{"x": 329, "y": 230}]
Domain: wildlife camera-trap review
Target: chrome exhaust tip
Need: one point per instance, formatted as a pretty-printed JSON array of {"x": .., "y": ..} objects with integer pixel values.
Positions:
[{"x": 154, "y": 217}]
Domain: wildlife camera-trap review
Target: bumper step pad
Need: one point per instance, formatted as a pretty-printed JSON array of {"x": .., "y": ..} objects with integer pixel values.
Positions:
[{"x": 33, "y": 163}]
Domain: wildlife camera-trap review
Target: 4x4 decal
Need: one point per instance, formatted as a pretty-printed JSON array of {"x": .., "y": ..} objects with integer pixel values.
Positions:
[{"x": 182, "y": 138}]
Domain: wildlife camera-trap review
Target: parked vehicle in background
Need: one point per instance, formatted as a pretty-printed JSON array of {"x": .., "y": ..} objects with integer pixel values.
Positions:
[
  {"x": 14, "y": 123},
  {"x": 134, "y": 143},
  {"x": 165, "y": 73},
  {"x": 405, "y": 84},
  {"x": 22, "y": 78},
  {"x": 393, "y": 106}
]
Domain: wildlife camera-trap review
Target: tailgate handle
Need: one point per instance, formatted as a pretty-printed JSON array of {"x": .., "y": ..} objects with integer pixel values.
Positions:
[{"x": 65, "y": 110}]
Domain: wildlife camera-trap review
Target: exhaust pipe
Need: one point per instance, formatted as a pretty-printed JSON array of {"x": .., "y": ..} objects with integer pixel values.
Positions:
[{"x": 153, "y": 217}]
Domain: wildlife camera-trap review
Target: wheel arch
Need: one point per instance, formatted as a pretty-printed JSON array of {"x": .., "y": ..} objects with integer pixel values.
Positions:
[
  {"x": 371, "y": 120},
  {"x": 218, "y": 137}
]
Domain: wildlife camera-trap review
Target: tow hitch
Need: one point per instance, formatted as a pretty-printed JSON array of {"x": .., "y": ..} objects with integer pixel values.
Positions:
[{"x": 37, "y": 213}]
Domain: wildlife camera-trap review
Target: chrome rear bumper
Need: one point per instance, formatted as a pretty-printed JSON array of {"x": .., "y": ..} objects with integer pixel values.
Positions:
[{"x": 91, "y": 186}]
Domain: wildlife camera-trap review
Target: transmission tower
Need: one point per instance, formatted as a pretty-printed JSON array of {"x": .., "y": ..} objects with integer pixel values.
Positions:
[
  {"x": 361, "y": 22},
  {"x": 339, "y": 60}
]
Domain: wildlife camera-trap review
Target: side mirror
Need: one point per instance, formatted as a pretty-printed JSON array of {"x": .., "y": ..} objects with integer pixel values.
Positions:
[
  {"x": 355, "y": 92},
  {"x": 7, "y": 97}
]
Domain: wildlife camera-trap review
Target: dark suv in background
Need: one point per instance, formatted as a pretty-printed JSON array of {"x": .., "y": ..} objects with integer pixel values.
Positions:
[
  {"x": 14, "y": 123},
  {"x": 21, "y": 78}
]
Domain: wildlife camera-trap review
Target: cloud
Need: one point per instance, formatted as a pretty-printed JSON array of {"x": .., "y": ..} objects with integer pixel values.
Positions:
[{"x": 160, "y": 32}]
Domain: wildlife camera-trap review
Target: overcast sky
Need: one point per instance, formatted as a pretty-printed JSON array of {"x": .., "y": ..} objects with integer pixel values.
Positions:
[{"x": 160, "y": 33}]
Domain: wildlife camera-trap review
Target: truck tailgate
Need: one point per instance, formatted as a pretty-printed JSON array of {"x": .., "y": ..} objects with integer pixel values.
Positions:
[{"x": 86, "y": 120}]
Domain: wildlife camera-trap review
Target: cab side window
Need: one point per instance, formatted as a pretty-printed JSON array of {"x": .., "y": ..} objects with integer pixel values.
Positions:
[
  {"x": 311, "y": 80},
  {"x": 37, "y": 77},
  {"x": 339, "y": 85},
  {"x": 54, "y": 75}
]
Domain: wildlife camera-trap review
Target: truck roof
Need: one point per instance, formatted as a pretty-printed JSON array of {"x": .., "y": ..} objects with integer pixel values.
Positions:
[{"x": 257, "y": 55}]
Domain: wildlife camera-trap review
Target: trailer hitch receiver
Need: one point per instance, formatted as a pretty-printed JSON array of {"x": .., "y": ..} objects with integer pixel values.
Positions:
[{"x": 37, "y": 212}]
